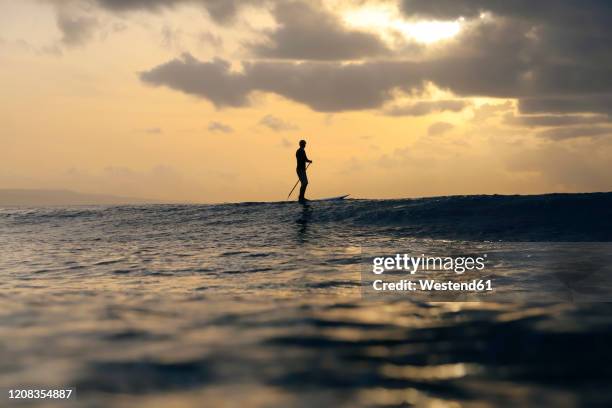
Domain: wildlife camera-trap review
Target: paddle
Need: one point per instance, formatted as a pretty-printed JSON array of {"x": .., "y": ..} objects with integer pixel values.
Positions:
[{"x": 296, "y": 184}]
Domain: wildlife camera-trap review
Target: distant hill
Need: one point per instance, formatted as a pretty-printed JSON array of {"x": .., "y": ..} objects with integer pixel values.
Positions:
[{"x": 27, "y": 197}]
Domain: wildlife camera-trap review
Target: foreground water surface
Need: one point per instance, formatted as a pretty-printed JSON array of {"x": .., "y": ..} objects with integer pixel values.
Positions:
[{"x": 259, "y": 304}]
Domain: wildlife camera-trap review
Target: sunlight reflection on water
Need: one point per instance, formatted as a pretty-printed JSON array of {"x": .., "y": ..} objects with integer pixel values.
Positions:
[{"x": 259, "y": 305}]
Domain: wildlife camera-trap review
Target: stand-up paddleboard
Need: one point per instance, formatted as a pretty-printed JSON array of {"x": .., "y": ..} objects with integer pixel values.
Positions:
[{"x": 342, "y": 197}]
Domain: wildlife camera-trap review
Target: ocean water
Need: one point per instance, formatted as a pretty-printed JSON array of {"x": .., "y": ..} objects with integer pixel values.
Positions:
[{"x": 260, "y": 305}]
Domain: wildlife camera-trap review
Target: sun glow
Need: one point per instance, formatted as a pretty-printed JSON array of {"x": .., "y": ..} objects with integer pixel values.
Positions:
[{"x": 386, "y": 21}]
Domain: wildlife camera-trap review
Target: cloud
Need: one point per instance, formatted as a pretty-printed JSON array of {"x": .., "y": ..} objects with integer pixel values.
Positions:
[
  {"x": 549, "y": 11},
  {"x": 219, "y": 127},
  {"x": 53, "y": 49},
  {"x": 491, "y": 110},
  {"x": 78, "y": 21},
  {"x": 483, "y": 61},
  {"x": 209, "y": 39},
  {"x": 276, "y": 124},
  {"x": 584, "y": 104},
  {"x": 171, "y": 37},
  {"x": 539, "y": 53},
  {"x": 211, "y": 80},
  {"x": 553, "y": 120},
  {"x": 76, "y": 30},
  {"x": 220, "y": 10},
  {"x": 153, "y": 131},
  {"x": 554, "y": 62},
  {"x": 575, "y": 132},
  {"x": 309, "y": 33},
  {"x": 426, "y": 107},
  {"x": 131, "y": 5},
  {"x": 439, "y": 128},
  {"x": 567, "y": 167},
  {"x": 325, "y": 87},
  {"x": 451, "y": 9}
]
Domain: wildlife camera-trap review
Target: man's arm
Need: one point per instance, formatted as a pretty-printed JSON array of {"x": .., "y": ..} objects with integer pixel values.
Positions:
[{"x": 307, "y": 159}]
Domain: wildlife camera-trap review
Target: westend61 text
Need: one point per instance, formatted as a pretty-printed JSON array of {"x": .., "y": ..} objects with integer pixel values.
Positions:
[{"x": 476, "y": 285}]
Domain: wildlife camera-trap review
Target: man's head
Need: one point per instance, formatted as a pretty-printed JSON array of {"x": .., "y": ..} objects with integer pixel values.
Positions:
[{"x": 302, "y": 144}]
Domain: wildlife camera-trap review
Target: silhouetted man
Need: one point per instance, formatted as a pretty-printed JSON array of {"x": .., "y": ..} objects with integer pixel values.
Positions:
[{"x": 302, "y": 159}]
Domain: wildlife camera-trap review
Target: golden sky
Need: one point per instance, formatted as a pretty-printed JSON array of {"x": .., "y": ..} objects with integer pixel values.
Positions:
[{"x": 205, "y": 100}]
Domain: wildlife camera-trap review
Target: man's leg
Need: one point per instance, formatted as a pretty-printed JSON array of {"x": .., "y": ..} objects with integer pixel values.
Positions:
[
  {"x": 303, "y": 191},
  {"x": 303, "y": 184}
]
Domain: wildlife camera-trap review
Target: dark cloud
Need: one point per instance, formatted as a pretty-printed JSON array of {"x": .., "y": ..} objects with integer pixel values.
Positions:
[
  {"x": 554, "y": 120},
  {"x": 219, "y": 127},
  {"x": 76, "y": 30},
  {"x": 220, "y": 10},
  {"x": 78, "y": 23},
  {"x": 550, "y": 11},
  {"x": 554, "y": 51},
  {"x": 427, "y": 107},
  {"x": 439, "y": 128},
  {"x": 276, "y": 124},
  {"x": 575, "y": 132},
  {"x": 443, "y": 9},
  {"x": 130, "y": 5},
  {"x": 309, "y": 33},
  {"x": 211, "y": 80},
  {"x": 327, "y": 87},
  {"x": 552, "y": 56},
  {"x": 333, "y": 86},
  {"x": 485, "y": 59},
  {"x": 588, "y": 103}
]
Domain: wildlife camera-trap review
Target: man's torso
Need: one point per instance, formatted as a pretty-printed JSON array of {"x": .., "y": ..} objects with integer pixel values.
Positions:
[{"x": 300, "y": 155}]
